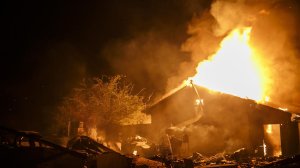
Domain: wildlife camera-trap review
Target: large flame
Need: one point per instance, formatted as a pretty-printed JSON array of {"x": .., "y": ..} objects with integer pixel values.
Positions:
[{"x": 233, "y": 69}]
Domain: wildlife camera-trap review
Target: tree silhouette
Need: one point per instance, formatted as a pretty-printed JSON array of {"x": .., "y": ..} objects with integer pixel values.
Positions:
[{"x": 102, "y": 103}]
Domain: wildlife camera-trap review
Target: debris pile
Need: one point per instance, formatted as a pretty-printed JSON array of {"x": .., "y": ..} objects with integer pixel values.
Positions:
[
  {"x": 238, "y": 159},
  {"x": 19, "y": 148}
]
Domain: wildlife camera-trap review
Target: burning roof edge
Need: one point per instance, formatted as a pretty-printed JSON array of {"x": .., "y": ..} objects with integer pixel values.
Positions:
[
  {"x": 258, "y": 105},
  {"x": 168, "y": 95}
]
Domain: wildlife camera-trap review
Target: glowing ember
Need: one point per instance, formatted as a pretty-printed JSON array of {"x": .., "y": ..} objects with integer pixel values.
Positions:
[
  {"x": 272, "y": 139},
  {"x": 269, "y": 129},
  {"x": 188, "y": 83},
  {"x": 267, "y": 99},
  {"x": 198, "y": 101},
  {"x": 233, "y": 69},
  {"x": 264, "y": 148},
  {"x": 283, "y": 109},
  {"x": 134, "y": 152}
]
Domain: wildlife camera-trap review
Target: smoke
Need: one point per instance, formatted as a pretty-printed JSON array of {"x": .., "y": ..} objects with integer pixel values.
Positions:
[
  {"x": 150, "y": 54},
  {"x": 228, "y": 15},
  {"x": 209, "y": 139},
  {"x": 223, "y": 127},
  {"x": 274, "y": 37},
  {"x": 149, "y": 51},
  {"x": 153, "y": 58},
  {"x": 207, "y": 31}
]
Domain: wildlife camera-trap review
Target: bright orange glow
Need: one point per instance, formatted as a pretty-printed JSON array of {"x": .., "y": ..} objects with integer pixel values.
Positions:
[
  {"x": 267, "y": 99},
  {"x": 198, "y": 101},
  {"x": 265, "y": 148},
  {"x": 233, "y": 69},
  {"x": 283, "y": 109},
  {"x": 188, "y": 83},
  {"x": 272, "y": 139},
  {"x": 134, "y": 152},
  {"x": 269, "y": 129}
]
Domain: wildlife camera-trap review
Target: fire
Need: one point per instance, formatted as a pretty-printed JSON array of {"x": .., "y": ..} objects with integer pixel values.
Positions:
[
  {"x": 283, "y": 109},
  {"x": 272, "y": 140},
  {"x": 198, "y": 101},
  {"x": 267, "y": 99},
  {"x": 134, "y": 152},
  {"x": 264, "y": 148},
  {"x": 269, "y": 129},
  {"x": 233, "y": 69}
]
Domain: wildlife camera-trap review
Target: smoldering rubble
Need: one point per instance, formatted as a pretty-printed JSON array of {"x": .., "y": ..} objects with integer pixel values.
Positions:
[{"x": 23, "y": 148}]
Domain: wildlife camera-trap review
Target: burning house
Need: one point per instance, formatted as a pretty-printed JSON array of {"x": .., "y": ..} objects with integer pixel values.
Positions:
[
  {"x": 217, "y": 122},
  {"x": 228, "y": 106}
]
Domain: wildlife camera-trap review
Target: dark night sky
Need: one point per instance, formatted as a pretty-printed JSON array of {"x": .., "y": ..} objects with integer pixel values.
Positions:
[{"x": 49, "y": 46}]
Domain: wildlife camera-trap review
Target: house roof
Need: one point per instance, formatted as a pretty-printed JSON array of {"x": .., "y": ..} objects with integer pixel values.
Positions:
[{"x": 199, "y": 90}]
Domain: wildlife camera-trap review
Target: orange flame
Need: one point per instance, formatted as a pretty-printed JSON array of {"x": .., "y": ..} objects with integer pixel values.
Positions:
[{"x": 233, "y": 69}]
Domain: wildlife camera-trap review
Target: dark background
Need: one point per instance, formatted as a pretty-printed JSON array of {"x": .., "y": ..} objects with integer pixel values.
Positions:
[{"x": 48, "y": 47}]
